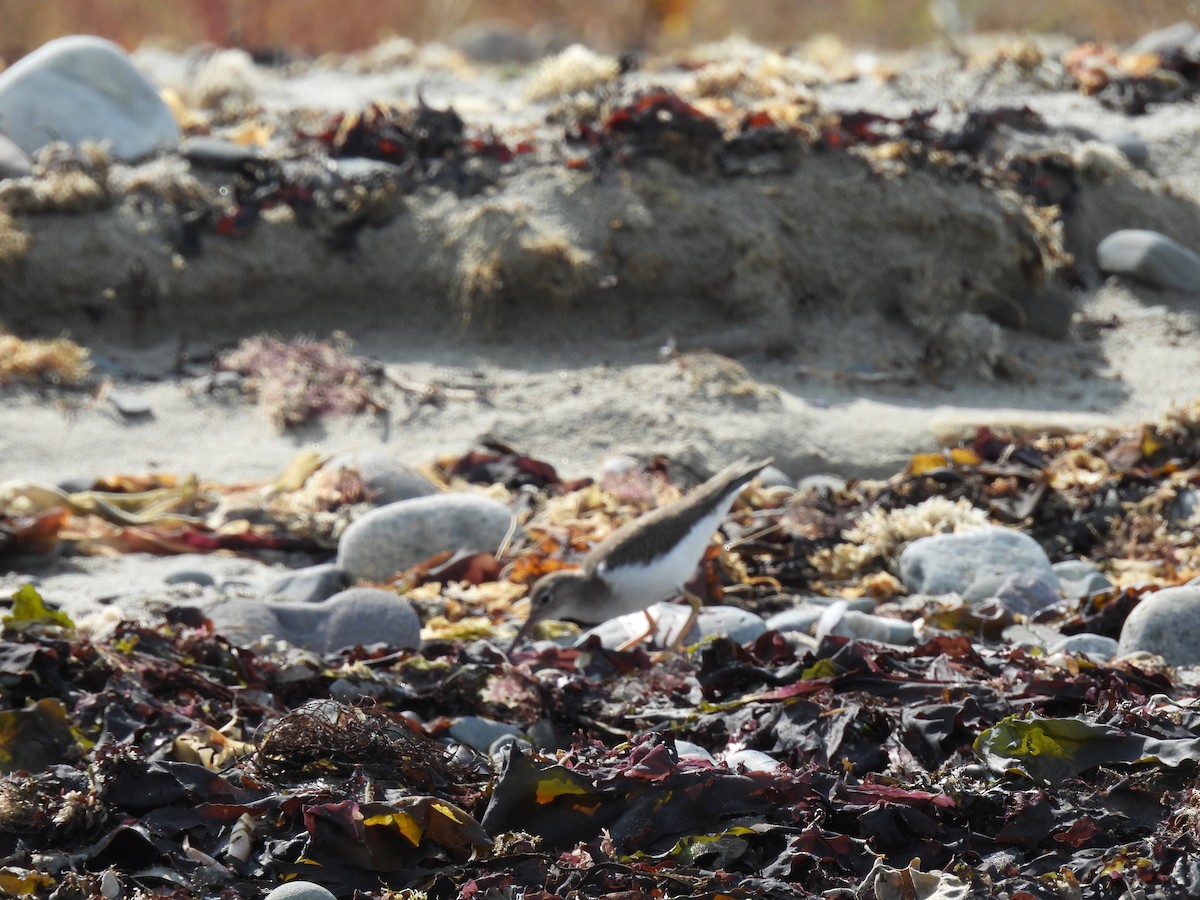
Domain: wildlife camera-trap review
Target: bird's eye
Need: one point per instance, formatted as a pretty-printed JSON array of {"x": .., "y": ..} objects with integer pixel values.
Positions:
[{"x": 542, "y": 599}]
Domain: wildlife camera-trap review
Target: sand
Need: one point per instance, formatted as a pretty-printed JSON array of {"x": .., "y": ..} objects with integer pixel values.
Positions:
[{"x": 854, "y": 319}]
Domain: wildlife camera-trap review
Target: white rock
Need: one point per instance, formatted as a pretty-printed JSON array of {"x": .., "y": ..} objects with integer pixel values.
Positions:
[{"x": 83, "y": 88}]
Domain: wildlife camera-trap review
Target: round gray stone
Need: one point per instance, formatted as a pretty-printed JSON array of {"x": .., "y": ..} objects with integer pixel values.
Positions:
[
  {"x": 803, "y": 616},
  {"x": 751, "y": 761},
  {"x": 1026, "y": 594},
  {"x": 300, "y": 890},
  {"x": 1152, "y": 258},
  {"x": 1166, "y": 623},
  {"x": 84, "y": 88},
  {"x": 480, "y": 733},
  {"x": 308, "y": 585},
  {"x": 953, "y": 563},
  {"x": 1080, "y": 579},
  {"x": 842, "y": 621},
  {"x": 1097, "y": 646},
  {"x": 386, "y": 477},
  {"x": 189, "y": 575},
  {"x": 356, "y": 616},
  {"x": 392, "y": 538}
]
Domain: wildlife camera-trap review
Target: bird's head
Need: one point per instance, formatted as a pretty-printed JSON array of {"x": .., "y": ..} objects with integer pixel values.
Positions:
[{"x": 559, "y": 595}]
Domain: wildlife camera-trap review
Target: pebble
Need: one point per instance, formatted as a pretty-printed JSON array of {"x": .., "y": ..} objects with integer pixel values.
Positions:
[
  {"x": 1079, "y": 579},
  {"x": 772, "y": 477},
  {"x": 188, "y": 575},
  {"x": 14, "y": 162},
  {"x": 954, "y": 563},
  {"x": 1026, "y": 594},
  {"x": 821, "y": 484},
  {"x": 386, "y": 477},
  {"x": 842, "y": 621},
  {"x": 808, "y": 612},
  {"x": 480, "y": 733},
  {"x": 84, "y": 88},
  {"x": 300, "y": 890},
  {"x": 729, "y": 621},
  {"x": 392, "y": 538},
  {"x": 492, "y": 42},
  {"x": 308, "y": 585},
  {"x": 688, "y": 750},
  {"x": 1098, "y": 647},
  {"x": 219, "y": 154},
  {"x": 1166, "y": 623},
  {"x": 130, "y": 405},
  {"x": 355, "y": 616},
  {"x": 1152, "y": 258},
  {"x": 751, "y": 761}
]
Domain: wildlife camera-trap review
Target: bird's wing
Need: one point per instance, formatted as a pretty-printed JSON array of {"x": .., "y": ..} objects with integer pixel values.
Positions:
[{"x": 656, "y": 533}]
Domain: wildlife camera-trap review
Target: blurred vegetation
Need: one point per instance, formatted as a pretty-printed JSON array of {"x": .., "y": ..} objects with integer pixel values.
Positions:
[{"x": 318, "y": 26}]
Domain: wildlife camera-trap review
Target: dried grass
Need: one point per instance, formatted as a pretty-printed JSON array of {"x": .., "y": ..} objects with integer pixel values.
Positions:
[{"x": 56, "y": 361}]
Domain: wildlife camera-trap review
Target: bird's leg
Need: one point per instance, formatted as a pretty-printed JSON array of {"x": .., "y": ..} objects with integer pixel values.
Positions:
[
  {"x": 633, "y": 642},
  {"x": 695, "y": 603}
]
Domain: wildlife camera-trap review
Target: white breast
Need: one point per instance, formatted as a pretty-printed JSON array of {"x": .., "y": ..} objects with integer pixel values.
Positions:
[{"x": 636, "y": 587}]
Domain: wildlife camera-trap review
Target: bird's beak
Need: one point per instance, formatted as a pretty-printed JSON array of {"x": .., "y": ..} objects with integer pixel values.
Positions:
[{"x": 524, "y": 632}]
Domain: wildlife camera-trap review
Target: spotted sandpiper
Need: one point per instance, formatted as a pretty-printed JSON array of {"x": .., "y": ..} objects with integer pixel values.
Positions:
[{"x": 644, "y": 561}]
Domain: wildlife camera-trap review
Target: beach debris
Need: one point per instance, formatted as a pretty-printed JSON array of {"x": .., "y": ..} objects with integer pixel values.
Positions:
[
  {"x": 296, "y": 381},
  {"x": 812, "y": 753},
  {"x": 53, "y": 361}
]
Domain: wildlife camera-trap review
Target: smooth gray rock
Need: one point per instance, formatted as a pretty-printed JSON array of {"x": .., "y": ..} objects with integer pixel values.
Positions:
[
  {"x": 954, "y": 563},
  {"x": 189, "y": 575},
  {"x": 300, "y": 890},
  {"x": 308, "y": 585},
  {"x": 386, "y": 477},
  {"x": 392, "y": 538},
  {"x": 1026, "y": 594},
  {"x": 1080, "y": 579},
  {"x": 494, "y": 41},
  {"x": 751, "y": 761},
  {"x": 14, "y": 162},
  {"x": 1152, "y": 258},
  {"x": 736, "y": 624},
  {"x": 1166, "y": 623},
  {"x": 1098, "y": 647},
  {"x": 356, "y": 616},
  {"x": 772, "y": 477},
  {"x": 808, "y": 612},
  {"x": 842, "y": 621},
  {"x": 84, "y": 88},
  {"x": 688, "y": 750},
  {"x": 480, "y": 733},
  {"x": 130, "y": 405}
]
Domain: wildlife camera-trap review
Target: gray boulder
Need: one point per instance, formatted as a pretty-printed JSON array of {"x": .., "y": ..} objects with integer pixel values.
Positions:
[
  {"x": 357, "y": 616},
  {"x": 972, "y": 563},
  {"x": 386, "y": 477},
  {"x": 84, "y": 88},
  {"x": 1166, "y": 623},
  {"x": 394, "y": 537},
  {"x": 300, "y": 890},
  {"x": 308, "y": 585},
  {"x": 1152, "y": 258}
]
